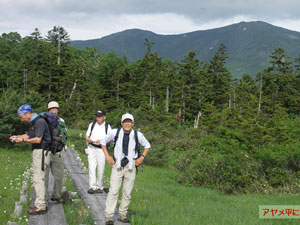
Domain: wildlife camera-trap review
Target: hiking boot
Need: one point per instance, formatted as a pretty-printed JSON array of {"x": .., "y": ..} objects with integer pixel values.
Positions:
[
  {"x": 91, "y": 191},
  {"x": 32, "y": 207},
  {"x": 58, "y": 200},
  {"x": 123, "y": 219},
  {"x": 109, "y": 222},
  {"x": 99, "y": 190},
  {"x": 36, "y": 211},
  {"x": 106, "y": 190}
]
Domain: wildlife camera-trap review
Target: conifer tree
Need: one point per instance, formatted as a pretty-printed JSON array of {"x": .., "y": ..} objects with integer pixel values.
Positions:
[
  {"x": 59, "y": 37},
  {"x": 219, "y": 78}
]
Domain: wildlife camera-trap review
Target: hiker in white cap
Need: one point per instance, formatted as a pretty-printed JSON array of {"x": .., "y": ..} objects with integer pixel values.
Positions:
[
  {"x": 56, "y": 161},
  {"x": 96, "y": 132},
  {"x": 124, "y": 162}
]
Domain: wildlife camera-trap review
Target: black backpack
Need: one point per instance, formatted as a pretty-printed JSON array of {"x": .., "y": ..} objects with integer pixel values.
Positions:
[
  {"x": 93, "y": 125},
  {"x": 57, "y": 132}
]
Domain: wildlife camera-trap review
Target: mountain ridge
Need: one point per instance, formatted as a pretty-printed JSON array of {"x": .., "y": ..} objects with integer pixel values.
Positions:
[{"x": 249, "y": 44}]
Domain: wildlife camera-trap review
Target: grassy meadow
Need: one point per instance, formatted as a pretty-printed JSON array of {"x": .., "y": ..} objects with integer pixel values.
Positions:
[
  {"x": 77, "y": 212},
  {"x": 14, "y": 162},
  {"x": 158, "y": 199}
]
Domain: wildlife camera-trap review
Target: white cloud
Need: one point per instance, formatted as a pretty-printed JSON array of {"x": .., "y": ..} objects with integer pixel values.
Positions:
[
  {"x": 288, "y": 24},
  {"x": 89, "y": 19},
  {"x": 168, "y": 23}
]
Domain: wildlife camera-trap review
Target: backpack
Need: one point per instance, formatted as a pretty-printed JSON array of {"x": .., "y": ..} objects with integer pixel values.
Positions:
[
  {"x": 137, "y": 146},
  {"x": 93, "y": 125},
  {"x": 58, "y": 132}
]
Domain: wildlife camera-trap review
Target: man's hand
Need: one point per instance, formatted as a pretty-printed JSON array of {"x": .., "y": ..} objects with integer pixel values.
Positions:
[
  {"x": 139, "y": 161},
  {"x": 110, "y": 160},
  {"x": 89, "y": 140},
  {"x": 97, "y": 142},
  {"x": 15, "y": 139},
  {"x": 19, "y": 140}
]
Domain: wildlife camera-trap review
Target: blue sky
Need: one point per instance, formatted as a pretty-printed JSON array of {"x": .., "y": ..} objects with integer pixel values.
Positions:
[{"x": 90, "y": 19}]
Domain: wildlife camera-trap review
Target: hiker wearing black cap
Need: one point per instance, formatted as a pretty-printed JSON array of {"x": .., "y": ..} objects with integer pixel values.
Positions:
[
  {"x": 96, "y": 132},
  {"x": 124, "y": 162},
  {"x": 38, "y": 135},
  {"x": 56, "y": 161}
]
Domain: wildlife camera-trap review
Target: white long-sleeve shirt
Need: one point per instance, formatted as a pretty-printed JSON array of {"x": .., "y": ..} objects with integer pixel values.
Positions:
[
  {"x": 98, "y": 133},
  {"x": 111, "y": 136}
]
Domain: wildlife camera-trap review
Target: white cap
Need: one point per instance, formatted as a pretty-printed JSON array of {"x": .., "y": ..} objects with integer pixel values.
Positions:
[
  {"x": 127, "y": 116},
  {"x": 53, "y": 104}
]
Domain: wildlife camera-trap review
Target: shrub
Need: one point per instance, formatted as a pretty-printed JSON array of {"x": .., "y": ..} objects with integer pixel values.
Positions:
[{"x": 219, "y": 164}]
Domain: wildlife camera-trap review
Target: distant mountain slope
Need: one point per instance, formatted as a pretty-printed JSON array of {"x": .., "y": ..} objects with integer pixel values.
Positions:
[{"x": 249, "y": 44}]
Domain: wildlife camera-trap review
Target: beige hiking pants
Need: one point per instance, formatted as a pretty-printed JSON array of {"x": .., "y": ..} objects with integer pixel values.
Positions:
[
  {"x": 39, "y": 177},
  {"x": 116, "y": 178}
]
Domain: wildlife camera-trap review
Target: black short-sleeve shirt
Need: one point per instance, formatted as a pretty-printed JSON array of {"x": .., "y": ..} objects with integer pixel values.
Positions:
[{"x": 39, "y": 128}]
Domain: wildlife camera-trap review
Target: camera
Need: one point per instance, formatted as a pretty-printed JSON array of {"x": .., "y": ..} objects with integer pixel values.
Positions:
[
  {"x": 12, "y": 140},
  {"x": 124, "y": 162}
]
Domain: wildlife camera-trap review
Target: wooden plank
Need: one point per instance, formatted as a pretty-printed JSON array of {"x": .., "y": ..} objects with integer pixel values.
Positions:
[
  {"x": 96, "y": 202},
  {"x": 55, "y": 214}
]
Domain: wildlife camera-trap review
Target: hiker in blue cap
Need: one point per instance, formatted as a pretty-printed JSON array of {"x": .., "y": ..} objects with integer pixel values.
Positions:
[{"x": 38, "y": 135}]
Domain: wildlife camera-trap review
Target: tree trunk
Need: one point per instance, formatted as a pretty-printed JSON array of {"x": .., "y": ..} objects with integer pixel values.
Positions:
[
  {"x": 167, "y": 99},
  {"x": 49, "y": 86},
  {"x": 73, "y": 89},
  {"x": 197, "y": 119},
  {"x": 260, "y": 95},
  {"x": 25, "y": 80},
  {"x": 75, "y": 84},
  {"x": 153, "y": 103},
  {"x": 183, "y": 104},
  {"x": 50, "y": 79},
  {"x": 234, "y": 98},
  {"x": 118, "y": 90},
  {"x": 58, "y": 49},
  {"x": 150, "y": 97}
]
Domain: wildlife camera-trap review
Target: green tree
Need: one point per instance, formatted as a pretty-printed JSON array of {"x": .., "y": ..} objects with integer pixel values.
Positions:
[
  {"x": 11, "y": 70},
  {"x": 219, "y": 77},
  {"x": 279, "y": 83},
  {"x": 60, "y": 38}
]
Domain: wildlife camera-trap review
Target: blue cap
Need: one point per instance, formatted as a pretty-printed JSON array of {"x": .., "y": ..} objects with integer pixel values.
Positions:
[{"x": 24, "y": 109}]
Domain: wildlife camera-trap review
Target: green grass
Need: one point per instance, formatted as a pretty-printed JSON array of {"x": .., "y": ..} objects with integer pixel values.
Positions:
[
  {"x": 157, "y": 199},
  {"x": 76, "y": 213},
  {"x": 75, "y": 132},
  {"x": 13, "y": 163}
]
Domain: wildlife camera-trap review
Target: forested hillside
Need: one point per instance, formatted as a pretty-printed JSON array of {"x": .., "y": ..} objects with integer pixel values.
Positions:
[
  {"x": 248, "y": 44},
  {"x": 215, "y": 131}
]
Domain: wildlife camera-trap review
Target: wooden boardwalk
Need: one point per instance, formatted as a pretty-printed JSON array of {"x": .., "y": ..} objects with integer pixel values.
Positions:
[
  {"x": 55, "y": 214},
  {"x": 96, "y": 202}
]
